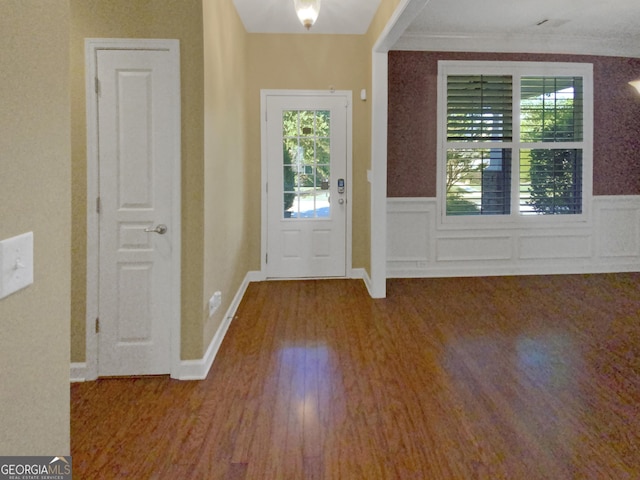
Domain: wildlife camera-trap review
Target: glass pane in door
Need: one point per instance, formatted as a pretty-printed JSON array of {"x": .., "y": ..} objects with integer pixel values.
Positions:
[{"x": 306, "y": 163}]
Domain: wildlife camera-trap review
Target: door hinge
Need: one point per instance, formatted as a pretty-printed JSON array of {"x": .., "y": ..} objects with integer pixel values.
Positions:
[
  {"x": 266, "y": 258},
  {"x": 98, "y": 206},
  {"x": 97, "y": 325},
  {"x": 97, "y": 86}
]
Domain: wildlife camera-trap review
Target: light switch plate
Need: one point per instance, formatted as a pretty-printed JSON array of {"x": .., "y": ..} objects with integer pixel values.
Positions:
[{"x": 16, "y": 263}]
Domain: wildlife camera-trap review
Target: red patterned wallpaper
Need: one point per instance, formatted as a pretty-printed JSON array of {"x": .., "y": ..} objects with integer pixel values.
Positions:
[{"x": 412, "y": 120}]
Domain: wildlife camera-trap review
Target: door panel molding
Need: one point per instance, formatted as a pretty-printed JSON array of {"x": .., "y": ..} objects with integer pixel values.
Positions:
[
  {"x": 348, "y": 98},
  {"x": 92, "y": 47}
]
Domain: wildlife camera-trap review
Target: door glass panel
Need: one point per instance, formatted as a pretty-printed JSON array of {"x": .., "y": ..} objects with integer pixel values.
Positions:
[{"x": 306, "y": 164}]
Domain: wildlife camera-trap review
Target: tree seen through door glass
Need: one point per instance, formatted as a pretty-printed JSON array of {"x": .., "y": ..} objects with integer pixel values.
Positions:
[{"x": 306, "y": 163}]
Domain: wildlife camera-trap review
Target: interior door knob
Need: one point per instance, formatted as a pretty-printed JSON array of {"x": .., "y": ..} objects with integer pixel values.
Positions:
[{"x": 159, "y": 229}]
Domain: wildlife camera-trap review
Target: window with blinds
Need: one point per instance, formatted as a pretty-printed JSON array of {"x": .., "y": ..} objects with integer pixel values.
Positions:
[
  {"x": 479, "y": 108},
  {"x": 551, "y": 112},
  {"x": 513, "y": 142},
  {"x": 551, "y": 109}
]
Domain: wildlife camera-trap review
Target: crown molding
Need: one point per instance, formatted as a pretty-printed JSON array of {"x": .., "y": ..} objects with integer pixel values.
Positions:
[{"x": 518, "y": 43}]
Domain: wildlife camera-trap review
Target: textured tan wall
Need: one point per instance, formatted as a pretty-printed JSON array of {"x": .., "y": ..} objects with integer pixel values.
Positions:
[
  {"x": 314, "y": 62},
  {"x": 380, "y": 19},
  {"x": 34, "y": 196},
  {"x": 227, "y": 196},
  {"x": 174, "y": 19},
  {"x": 223, "y": 70}
]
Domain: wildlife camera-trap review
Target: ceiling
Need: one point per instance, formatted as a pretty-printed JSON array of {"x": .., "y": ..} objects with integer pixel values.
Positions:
[
  {"x": 279, "y": 16},
  {"x": 525, "y": 25},
  {"x": 560, "y": 26}
]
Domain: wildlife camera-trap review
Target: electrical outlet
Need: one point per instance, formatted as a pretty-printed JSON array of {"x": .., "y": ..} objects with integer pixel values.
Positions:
[
  {"x": 16, "y": 263},
  {"x": 214, "y": 303}
]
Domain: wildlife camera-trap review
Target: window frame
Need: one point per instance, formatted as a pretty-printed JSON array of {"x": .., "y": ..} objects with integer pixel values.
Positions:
[{"x": 516, "y": 70}]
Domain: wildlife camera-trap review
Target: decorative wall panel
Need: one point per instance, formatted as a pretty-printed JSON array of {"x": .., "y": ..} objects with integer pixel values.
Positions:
[{"x": 418, "y": 246}]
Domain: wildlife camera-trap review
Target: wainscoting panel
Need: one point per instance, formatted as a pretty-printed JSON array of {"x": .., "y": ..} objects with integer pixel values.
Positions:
[
  {"x": 478, "y": 247},
  {"x": 620, "y": 224},
  {"x": 564, "y": 245},
  {"x": 408, "y": 231},
  {"x": 418, "y": 246}
]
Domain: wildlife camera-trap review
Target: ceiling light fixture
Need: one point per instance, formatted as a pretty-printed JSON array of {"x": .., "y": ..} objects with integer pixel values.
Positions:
[
  {"x": 307, "y": 11},
  {"x": 635, "y": 84}
]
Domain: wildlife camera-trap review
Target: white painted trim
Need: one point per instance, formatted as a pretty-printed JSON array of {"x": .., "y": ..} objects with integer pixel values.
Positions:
[
  {"x": 198, "y": 369},
  {"x": 192, "y": 369},
  {"x": 379, "y": 118},
  {"x": 552, "y": 269},
  {"x": 516, "y": 70},
  {"x": 256, "y": 276},
  {"x": 348, "y": 95},
  {"x": 92, "y": 45},
  {"x": 402, "y": 16},
  {"x": 91, "y": 344},
  {"x": 420, "y": 247},
  {"x": 361, "y": 273},
  {"x": 516, "y": 43},
  {"x": 78, "y": 372}
]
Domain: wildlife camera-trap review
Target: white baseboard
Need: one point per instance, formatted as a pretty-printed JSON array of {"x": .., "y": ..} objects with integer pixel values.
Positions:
[
  {"x": 364, "y": 275},
  {"x": 544, "y": 269},
  {"x": 78, "y": 372},
  {"x": 198, "y": 369},
  {"x": 192, "y": 369}
]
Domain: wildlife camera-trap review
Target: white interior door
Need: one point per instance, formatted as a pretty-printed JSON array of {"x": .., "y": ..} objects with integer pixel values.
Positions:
[
  {"x": 307, "y": 150},
  {"x": 138, "y": 149}
]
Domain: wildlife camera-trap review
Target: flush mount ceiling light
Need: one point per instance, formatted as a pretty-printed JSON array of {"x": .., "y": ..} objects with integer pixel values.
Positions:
[
  {"x": 635, "y": 84},
  {"x": 307, "y": 11}
]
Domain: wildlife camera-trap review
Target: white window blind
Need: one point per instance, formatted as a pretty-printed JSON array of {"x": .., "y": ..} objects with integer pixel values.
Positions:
[{"x": 513, "y": 138}]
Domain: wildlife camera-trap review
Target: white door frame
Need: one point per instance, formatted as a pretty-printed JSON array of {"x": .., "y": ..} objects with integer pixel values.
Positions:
[
  {"x": 348, "y": 96},
  {"x": 92, "y": 45}
]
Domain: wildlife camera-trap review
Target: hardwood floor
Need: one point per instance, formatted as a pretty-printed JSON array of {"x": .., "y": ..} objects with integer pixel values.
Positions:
[{"x": 468, "y": 378}]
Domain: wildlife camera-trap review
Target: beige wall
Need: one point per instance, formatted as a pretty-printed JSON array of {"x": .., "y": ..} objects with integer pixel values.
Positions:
[
  {"x": 314, "y": 62},
  {"x": 223, "y": 70},
  {"x": 380, "y": 19},
  {"x": 180, "y": 20},
  {"x": 317, "y": 62},
  {"x": 34, "y": 196},
  {"x": 229, "y": 230}
]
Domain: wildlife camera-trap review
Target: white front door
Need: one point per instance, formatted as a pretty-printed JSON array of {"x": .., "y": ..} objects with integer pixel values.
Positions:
[
  {"x": 307, "y": 150},
  {"x": 138, "y": 151}
]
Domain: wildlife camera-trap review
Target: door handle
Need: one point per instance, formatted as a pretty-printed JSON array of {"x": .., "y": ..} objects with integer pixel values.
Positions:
[{"x": 159, "y": 229}]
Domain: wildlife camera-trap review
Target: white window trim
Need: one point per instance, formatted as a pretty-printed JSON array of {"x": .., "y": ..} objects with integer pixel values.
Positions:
[{"x": 517, "y": 69}]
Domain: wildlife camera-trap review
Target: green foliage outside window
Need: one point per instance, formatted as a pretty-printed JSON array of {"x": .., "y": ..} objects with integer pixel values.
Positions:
[
  {"x": 306, "y": 139},
  {"x": 553, "y": 114},
  {"x": 289, "y": 180}
]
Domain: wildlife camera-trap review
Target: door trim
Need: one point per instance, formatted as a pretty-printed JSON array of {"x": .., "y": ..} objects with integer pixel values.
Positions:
[
  {"x": 92, "y": 45},
  {"x": 348, "y": 96}
]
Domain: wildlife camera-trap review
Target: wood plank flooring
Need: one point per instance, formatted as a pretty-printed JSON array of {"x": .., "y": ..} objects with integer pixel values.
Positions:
[{"x": 532, "y": 377}]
